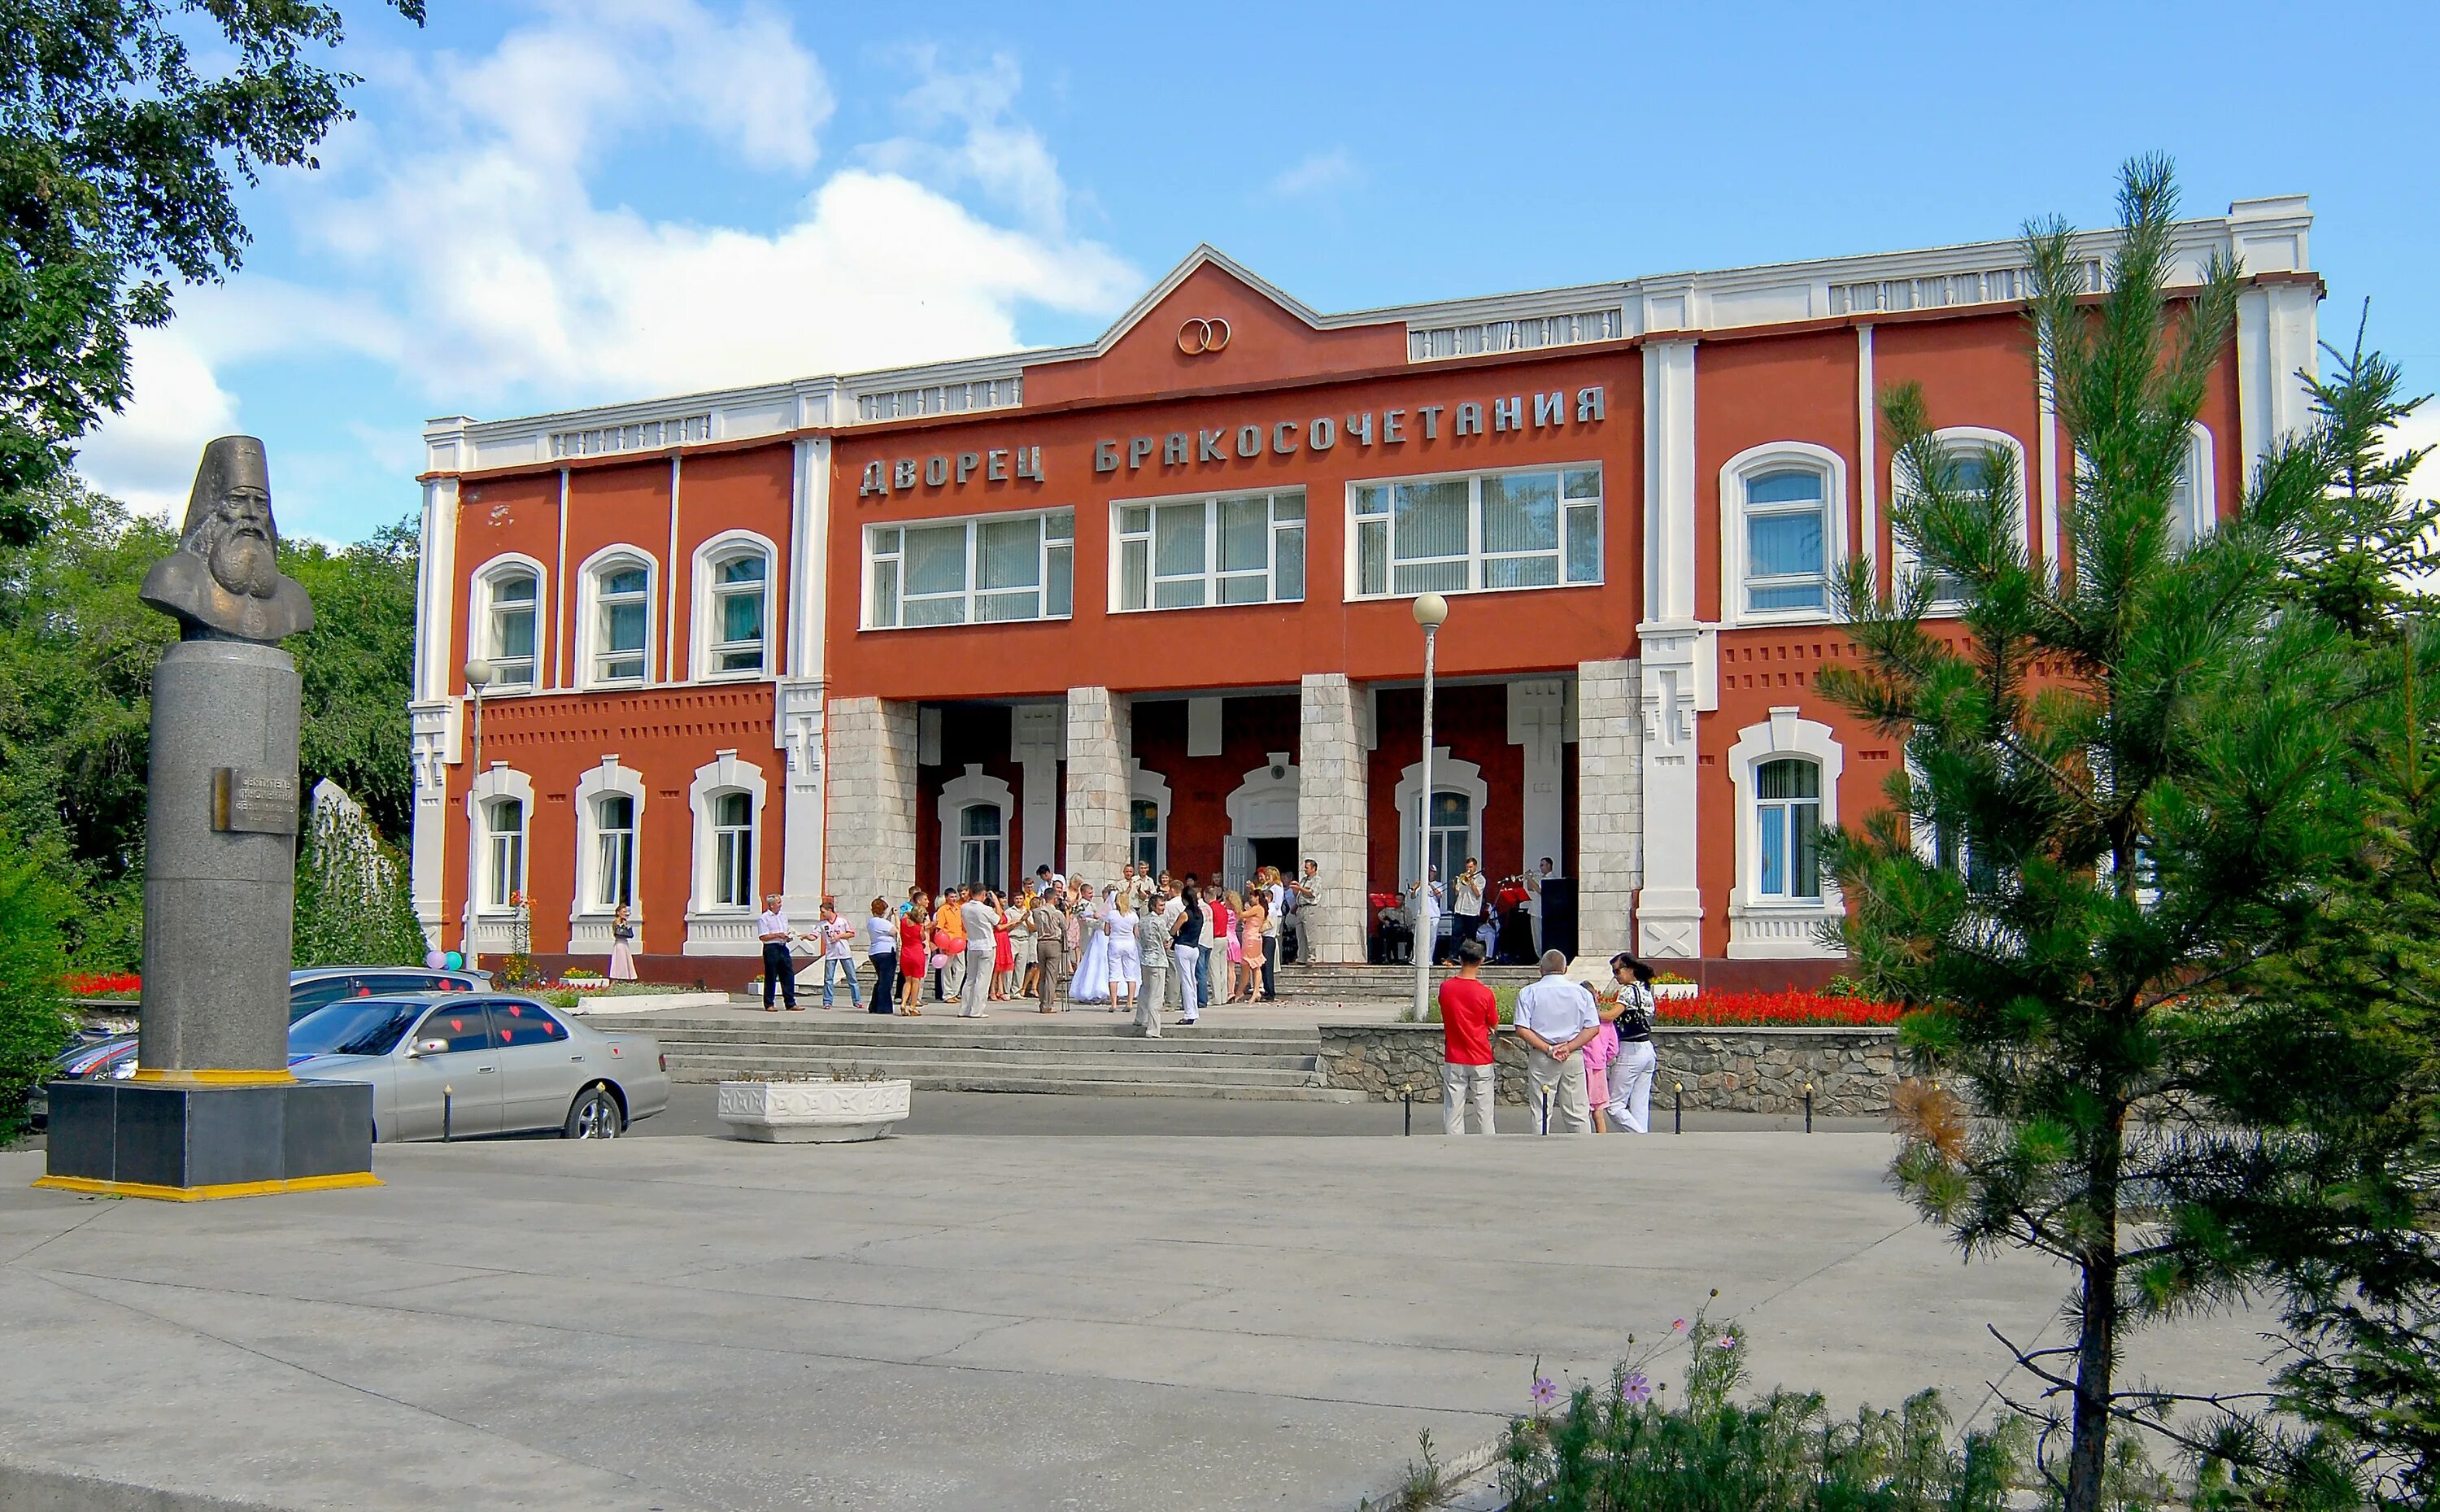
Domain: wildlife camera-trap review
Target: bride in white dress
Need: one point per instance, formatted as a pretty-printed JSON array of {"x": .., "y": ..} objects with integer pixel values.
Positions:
[{"x": 1091, "y": 982}]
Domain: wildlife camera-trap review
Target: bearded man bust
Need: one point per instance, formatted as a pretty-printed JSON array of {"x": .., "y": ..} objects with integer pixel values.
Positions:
[{"x": 223, "y": 582}]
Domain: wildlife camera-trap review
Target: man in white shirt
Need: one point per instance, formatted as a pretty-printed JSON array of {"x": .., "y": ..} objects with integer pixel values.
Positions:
[
  {"x": 980, "y": 914},
  {"x": 838, "y": 959},
  {"x": 1533, "y": 881},
  {"x": 1424, "y": 915},
  {"x": 1556, "y": 1019},
  {"x": 778, "y": 970},
  {"x": 1302, "y": 893}
]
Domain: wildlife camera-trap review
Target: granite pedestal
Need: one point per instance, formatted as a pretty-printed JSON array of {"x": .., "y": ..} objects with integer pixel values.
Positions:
[{"x": 194, "y": 1141}]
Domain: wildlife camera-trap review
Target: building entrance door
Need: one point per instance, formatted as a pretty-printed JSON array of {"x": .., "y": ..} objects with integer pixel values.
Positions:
[{"x": 1263, "y": 820}]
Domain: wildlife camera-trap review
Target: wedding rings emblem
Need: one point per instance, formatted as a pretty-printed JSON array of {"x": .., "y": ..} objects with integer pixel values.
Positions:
[{"x": 1199, "y": 335}]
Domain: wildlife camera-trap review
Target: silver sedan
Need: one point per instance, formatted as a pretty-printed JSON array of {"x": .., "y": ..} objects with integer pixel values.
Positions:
[{"x": 460, "y": 1064}]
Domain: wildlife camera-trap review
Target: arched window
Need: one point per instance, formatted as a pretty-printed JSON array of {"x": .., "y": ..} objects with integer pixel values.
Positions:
[
  {"x": 732, "y": 628},
  {"x": 732, "y": 860},
  {"x": 504, "y": 873},
  {"x": 979, "y": 845},
  {"x": 1979, "y": 459},
  {"x": 1783, "y": 532},
  {"x": 506, "y": 599},
  {"x": 1787, "y": 826},
  {"x": 1452, "y": 831},
  {"x": 613, "y": 842},
  {"x": 617, "y": 628},
  {"x": 1143, "y": 834}
]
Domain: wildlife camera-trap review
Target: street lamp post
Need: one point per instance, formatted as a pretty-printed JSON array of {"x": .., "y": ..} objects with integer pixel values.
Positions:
[
  {"x": 1430, "y": 610},
  {"x": 478, "y": 677}
]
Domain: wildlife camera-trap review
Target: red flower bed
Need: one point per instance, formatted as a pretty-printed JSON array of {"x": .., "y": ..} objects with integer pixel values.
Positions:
[
  {"x": 1802, "y": 1010},
  {"x": 94, "y": 983}
]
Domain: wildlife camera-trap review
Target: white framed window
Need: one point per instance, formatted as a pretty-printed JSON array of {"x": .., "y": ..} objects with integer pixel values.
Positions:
[
  {"x": 2194, "y": 502},
  {"x": 508, "y": 602},
  {"x": 1536, "y": 527},
  {"x": 1787, "y": 828},
  {"x": 1972, "y": 450},
  {"x": 615, "y": 618},
  {"x": 732, "y": 630},
  {"x": 1786, "y": 774},
  {"x": 979, "y": 845},
  {"x": 732, "y": 850},
  {"x": 988, "y": 569},
  {"x": 1187, "y": 553},
  {"x": 1451, "y": 838},
  {"x": 504, "y": 868},
  {"x": 613, "y": 881},
  {"x": 1783, "y": 532}
]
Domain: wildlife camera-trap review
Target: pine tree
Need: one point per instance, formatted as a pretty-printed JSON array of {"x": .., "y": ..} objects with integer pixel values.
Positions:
[{"x": 2122, "y": 788}]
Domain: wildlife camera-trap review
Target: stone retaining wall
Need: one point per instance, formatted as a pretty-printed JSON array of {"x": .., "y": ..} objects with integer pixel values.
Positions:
[{"x": 1743, "y": 1071}]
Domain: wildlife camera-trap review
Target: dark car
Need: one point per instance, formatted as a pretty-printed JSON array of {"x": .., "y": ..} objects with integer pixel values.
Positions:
[{"x": 314, "y": 987}]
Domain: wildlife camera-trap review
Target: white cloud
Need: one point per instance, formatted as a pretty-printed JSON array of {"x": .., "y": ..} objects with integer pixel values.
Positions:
[
  {"x": 471, "y": 240},
  {"x": 1317, "y": 174}
]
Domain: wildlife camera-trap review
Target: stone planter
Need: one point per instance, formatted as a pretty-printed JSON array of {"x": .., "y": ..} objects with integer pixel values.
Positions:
[{"x": 813, "y": 1112}]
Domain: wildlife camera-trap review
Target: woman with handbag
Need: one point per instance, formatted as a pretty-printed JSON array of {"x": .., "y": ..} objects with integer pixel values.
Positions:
[{"x": 1630, "y": 1006}]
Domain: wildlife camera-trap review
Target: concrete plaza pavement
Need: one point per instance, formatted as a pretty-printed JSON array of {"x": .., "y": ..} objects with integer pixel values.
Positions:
[{"x": 951, "y": 1321}]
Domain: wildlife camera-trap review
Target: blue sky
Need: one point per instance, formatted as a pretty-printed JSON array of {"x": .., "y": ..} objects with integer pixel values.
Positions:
[{"x": 544, "y": 204}]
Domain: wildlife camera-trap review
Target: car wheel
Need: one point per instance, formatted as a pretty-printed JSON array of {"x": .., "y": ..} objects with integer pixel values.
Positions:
[{"x": 595, "y": 1115}]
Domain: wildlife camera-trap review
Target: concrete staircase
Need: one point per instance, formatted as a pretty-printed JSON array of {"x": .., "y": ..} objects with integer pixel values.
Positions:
[
  {"x": 1075, "y": 1054},
  {"x": 1364, "y": 984}
]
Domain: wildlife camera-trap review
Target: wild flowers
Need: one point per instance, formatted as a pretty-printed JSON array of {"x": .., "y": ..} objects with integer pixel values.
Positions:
[
  {"x": 1634, "y": 1388},
  {"x": 1546, "y": 1393}
]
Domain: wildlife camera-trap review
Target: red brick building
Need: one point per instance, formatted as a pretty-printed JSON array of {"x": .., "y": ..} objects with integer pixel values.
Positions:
[{"x": 1150, "y": 596}]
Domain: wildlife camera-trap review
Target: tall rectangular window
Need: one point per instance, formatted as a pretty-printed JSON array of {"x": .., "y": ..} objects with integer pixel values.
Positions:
[
  {"x": 623, "y": 602},
  {"x": 513, "y": 630},
  {"x": 1787, "y": 824},
  {"x": 1528, "y": 529},
  {"x": 1221, "y": 548},
  {"x": 740, "y": 602},
  {"x": 506, "y": 818},
  {"x": 613, "y": 877},
  {"x": 993, "y": 568},
  {"x": 732, "y": 828},
  {"x": 1787, "y": 561}
]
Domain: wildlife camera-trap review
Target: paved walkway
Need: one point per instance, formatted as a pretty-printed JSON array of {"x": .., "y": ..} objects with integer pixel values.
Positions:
[{"x": 950, "y": 1323}]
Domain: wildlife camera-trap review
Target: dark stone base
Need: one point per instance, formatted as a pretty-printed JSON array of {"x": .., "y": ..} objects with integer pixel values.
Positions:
[{"x": 156, "y": 1139}]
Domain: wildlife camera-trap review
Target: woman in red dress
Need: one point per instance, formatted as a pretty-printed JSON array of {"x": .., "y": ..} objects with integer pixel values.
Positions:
[
  {"x": 910, "y": 949},
  {"x": 1003, "y": 956}
]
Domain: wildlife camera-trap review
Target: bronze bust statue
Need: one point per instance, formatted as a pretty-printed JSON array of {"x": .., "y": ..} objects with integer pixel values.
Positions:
[{"x": 223, "y": 582}]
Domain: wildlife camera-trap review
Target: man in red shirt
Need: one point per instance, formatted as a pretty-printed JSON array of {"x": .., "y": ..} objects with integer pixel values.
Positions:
[{"x": 1468, "y": 1016}]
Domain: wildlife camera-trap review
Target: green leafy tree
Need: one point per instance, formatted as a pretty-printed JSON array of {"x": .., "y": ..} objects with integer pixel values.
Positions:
[
  {"x": 2132, "y": 789},
  {"x": 123, "y": 126},
  {"x": 35, "y": 1021},
  {"x": 358, "y": 666}
]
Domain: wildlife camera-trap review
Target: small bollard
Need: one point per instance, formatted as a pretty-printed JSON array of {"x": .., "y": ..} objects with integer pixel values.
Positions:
[
  {"x": 1546, "y": 1112},
  {"x": 444, "y": 1115},
  {"x": 1808, "y": 1107},
  {"x": 1677, "y": 1113},
  {"x": 1407, "y": 1095}
]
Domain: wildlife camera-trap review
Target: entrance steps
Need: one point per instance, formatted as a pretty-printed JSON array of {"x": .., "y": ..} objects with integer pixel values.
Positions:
[
  {"x": 1356, "y": 983},
  {"x": 1005, "y": 1053}
]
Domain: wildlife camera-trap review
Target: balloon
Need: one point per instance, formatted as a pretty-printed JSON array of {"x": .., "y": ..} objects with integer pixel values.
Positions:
[
  {"x": 435, "y": 960},
  {"x": 455, "y": 961}
]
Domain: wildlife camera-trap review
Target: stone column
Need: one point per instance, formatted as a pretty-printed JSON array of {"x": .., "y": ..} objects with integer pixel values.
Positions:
[
  {"x": 1333, "y": 789},
  {"x": 1674, "y": 685},
  {"x": 1537, "y": 708},
  {"x": 869, "y": 840},
  {"x": 1099, "y": 738},
  {"x": 1609, "y": 804}
]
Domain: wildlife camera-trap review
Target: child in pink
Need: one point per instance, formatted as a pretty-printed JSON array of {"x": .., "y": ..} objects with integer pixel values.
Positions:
[{"x": 1599, "y": 1051}]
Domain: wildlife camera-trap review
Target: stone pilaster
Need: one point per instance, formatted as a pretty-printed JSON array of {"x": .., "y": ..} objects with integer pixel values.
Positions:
[
  {"x": 869, "y": 843},
  {"x": 798, "y": 733},
  {"x": 1099, "y": 738},
  {"x": 1036, "y": 741},
  {"x": 1609, "y": 804},
  {"x": 1333, "y": 789}
]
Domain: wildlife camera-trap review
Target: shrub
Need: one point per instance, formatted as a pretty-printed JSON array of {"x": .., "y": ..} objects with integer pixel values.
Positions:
[
  {"x": 353, "y": 907},
  {"x": 1634, "y": 1447},
  {"x": 35, "y": 1019}
]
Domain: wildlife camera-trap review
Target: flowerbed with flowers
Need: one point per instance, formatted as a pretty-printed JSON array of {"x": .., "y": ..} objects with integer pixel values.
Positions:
[
  {"x": 103, "y": 983},
  {"x": 1787, "y": 1010}
]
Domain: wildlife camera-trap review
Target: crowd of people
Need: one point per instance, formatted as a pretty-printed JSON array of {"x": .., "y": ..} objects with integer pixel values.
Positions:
[
  {"x": 1145, "y": 944},
  {"x": 1502, "y": 914}
]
